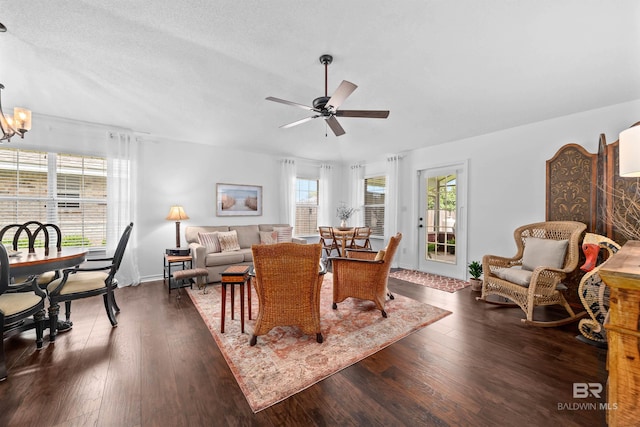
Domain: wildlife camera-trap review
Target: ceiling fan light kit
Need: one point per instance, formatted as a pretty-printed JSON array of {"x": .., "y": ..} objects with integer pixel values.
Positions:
[{"x": 328, "y": 106}]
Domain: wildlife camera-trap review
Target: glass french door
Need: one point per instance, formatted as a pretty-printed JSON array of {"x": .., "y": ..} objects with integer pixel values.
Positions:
[{"x": 441, "y": 223}]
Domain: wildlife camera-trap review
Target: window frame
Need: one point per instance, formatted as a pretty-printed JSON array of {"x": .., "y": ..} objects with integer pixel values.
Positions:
[
  {"x": 311, "y": 230},
  {"x": 56, "y": 201},
  {"x": 382, "y": 205}
]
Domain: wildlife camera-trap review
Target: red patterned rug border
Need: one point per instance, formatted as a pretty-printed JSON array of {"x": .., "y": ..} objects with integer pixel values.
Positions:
[{"x": 434, "y": 281}]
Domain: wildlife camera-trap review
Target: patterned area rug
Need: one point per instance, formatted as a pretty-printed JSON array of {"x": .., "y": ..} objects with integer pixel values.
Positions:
[
  {"x": 429, "y": 280},
  {"x": 285, "y": 362}
]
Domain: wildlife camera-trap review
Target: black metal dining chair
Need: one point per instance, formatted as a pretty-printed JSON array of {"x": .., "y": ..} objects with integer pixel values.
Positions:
[
  {"x": 18, "y": 302},
  {"x": 83, "y": 282},
  {"x": 38, "y": 234}
]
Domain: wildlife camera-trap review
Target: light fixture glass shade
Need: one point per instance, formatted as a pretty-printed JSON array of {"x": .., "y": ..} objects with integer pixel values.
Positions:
[
  {"x": 21, "y": 119},
  {"x": 176, "y": 213},
  {"x": 629, "y": 152}
]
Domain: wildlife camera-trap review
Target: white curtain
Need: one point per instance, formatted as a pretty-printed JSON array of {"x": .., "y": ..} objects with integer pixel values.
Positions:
[
  {"x": 357, "y": 195},
  {"x": 121, "y": 198},
  {"x": 288, "y": 196},
  {"x": 325, "y": 197},
  {"x": 391, "y": 197}
]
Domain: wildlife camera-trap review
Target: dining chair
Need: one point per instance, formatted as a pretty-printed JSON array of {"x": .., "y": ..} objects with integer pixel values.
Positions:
[
  {"x": 18, "y": 302},
  {"x": 287, "y": 278},
  {"x": 83, "y": 282},
  {"x": 328, "y": 240},
  {"x": 364, "y": 275},
  {"x": 37, "y": 235},
  {"x": 360, "y": 238}
]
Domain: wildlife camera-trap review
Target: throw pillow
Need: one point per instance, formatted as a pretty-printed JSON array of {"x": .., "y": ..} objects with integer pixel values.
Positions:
[
  {"x": 268, "y": 237},
  {"x": 543, "y": 253},
  {"x": 380, "y": 255},
  {"x": 210, "y": 241},
  {"x": 515, "y": 275},
  {"x": 284, "y": 234},
  {"x": 229, "y": 241}
]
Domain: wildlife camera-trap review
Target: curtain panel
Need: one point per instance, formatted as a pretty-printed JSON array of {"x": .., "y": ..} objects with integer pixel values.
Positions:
[
  {"x": 288, "y": 197},
  {"x": 357, "y": 195},
  {"x": 121, "y": 202},
  {"x": 326, "y": 190}
]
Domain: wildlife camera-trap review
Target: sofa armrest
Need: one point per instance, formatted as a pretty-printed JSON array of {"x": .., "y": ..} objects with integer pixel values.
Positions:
[
  {"x": 198, "y": 253},
  {"x": 299, "y": 240}
]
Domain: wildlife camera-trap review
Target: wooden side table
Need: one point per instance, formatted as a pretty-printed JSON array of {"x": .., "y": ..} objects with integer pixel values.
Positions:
[
  {"x": 173, "y": 263},
  {"x": 621, "y": 273},
  {"x": 235, "y": 275}
]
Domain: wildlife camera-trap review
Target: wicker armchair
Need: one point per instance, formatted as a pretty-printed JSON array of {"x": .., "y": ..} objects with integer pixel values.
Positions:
[
  {"x": 287, "y": 279},
  {"x": 364, "y": 275},
  {"x": 530, "y": 279}
]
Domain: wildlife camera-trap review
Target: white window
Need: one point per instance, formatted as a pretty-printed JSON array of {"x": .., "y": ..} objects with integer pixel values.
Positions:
[
  {"x": 64, "y": 189},
  {"x": 374, "y": 193},
  {"x": 306, "y": 207}
]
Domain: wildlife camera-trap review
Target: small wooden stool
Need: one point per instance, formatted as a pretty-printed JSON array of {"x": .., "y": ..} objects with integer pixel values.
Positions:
[
  {"x": 190, "y": 274},
  {"x": 235, "y": 275}
]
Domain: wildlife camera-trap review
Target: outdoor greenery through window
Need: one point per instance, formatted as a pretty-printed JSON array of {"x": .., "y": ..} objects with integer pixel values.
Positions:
[
  {"x": 306, "y": 207},
  {"x": 374, "y": 192},
  {"x": 441, "y": 218},
  {"x": 64, "y": 189}
]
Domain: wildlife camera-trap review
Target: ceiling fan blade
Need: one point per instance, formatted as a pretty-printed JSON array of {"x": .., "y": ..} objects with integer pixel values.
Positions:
[
  {"x": 335, "y": 126},
  {"x": 344, "y": 90},
  {"x": 369, "y": 114},
  {"x": 294, "y": 104},
  {"x": 299, "y": 122}
]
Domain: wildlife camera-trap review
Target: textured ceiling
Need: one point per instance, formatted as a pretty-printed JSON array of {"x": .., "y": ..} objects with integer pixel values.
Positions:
[{"x": 199, "y": 70}]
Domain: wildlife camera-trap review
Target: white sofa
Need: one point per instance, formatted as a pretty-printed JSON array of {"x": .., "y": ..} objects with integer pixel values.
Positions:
[{"x": 217, "y": 262}]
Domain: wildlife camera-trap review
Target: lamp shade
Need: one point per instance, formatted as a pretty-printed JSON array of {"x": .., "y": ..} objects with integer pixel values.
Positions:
[
  {"x": 629, "y": 153},
  {"x": 21, "y": 119},
  {"x": 176, "y": 213}
]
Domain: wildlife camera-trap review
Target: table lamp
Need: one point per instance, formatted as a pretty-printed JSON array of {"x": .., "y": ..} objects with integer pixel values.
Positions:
[
  {"x": 629, "y": 154},
  {"x": 177, "y": 214}
]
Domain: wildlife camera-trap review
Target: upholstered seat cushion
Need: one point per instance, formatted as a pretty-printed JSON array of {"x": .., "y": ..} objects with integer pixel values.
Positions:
[
  {"x": 80, "y": 282},
  {"x": 224, "y": 258},
  {"x": 11, "y": 304},
  {"x": 515, "y": 275}
]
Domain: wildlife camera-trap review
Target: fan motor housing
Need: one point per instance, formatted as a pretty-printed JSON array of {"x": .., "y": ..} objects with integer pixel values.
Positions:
[{"x": 320, "y": 102}]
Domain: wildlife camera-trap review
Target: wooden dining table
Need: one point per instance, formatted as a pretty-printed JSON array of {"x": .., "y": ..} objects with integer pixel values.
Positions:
[
  {"x": 38, "y": 262},
  {"x": 343, "y": 235}
]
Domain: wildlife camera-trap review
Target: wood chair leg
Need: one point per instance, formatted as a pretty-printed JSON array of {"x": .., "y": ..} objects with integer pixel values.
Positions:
[{"x": 109, "y": 309}]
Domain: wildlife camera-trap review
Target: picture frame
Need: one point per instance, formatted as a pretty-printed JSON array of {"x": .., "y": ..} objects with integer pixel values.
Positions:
[{"x": 238, "y": 200}]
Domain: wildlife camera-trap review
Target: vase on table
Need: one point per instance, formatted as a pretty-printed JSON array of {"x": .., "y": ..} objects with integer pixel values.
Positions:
[{"x": 343, "y": 223}]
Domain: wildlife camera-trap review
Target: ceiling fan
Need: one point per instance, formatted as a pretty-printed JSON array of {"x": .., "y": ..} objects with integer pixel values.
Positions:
[{"x": 328, "y": 107}]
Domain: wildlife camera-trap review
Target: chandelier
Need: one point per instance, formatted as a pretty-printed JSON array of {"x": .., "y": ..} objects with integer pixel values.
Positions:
[{"x": 19, "y": 123}]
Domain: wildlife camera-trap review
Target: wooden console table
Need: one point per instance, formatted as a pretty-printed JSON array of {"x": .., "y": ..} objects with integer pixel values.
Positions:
[{"x": 622, "y": 274}]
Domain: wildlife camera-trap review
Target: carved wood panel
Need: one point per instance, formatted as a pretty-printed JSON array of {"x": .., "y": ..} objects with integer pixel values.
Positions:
[
  {"x": 571, "y": 186},
  {"x": 572, "y": 181}
]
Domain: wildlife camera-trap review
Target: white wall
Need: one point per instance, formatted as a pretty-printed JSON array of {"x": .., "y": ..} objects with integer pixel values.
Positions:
[
  {"x": 506, "y": 178},
  {"x": 507, "y": 175},
  {"x": 186, "y": 174}
]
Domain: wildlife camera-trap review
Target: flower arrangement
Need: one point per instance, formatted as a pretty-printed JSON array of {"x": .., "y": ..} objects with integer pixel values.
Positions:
[{"x": 344, "y": 213}]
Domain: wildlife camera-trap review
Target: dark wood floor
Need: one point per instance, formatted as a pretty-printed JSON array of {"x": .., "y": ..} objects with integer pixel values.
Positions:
[{"x": 161, "y": 367}]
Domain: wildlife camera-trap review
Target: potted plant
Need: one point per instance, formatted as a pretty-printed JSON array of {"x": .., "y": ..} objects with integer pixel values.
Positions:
[
  {"x": 475, "y": 270},
  {"x": 344, "y": 213}
]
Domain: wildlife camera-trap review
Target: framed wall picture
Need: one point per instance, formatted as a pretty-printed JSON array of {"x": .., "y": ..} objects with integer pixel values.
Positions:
[{"x": 238, "y": 200}]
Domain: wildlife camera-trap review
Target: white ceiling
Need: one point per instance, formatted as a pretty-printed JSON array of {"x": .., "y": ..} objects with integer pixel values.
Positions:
[{"x": 199, "y": 70}]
